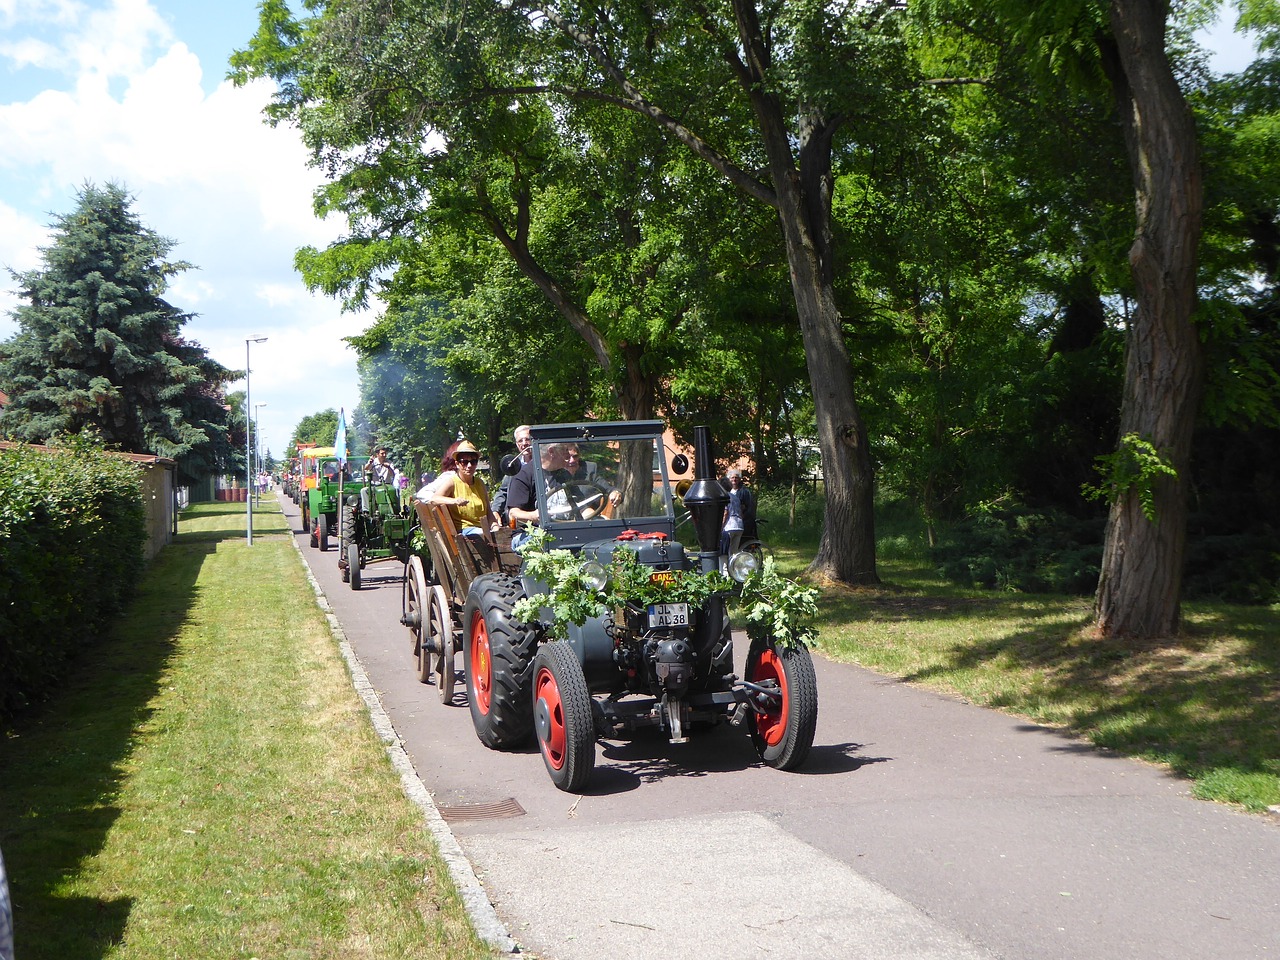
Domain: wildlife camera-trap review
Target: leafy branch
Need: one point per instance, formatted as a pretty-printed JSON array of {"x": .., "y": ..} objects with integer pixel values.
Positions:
[
  {"x": 1133, "y": 468},
  {"x": 779, "y": 608},
  {"x": 773, "y": 605}
]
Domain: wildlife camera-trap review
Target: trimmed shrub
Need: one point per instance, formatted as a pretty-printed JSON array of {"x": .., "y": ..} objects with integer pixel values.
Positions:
[{"x": 72, "y": 531}]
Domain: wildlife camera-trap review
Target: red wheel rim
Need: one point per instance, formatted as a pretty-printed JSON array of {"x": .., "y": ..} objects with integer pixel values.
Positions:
[
  {"x": 481, "y": 676},
  {"x": 772, "y": 725},
  {"x": 549, "y": 710}
]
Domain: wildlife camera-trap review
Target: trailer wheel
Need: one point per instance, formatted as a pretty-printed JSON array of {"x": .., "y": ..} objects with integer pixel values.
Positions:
[
  {"x": 441, "y": 622},
  {"x": 414, "y": 603},
  {"x": 497, "y": 656},
  {"x": 782, "y": 732},
  {"x": 323, "y": 528},
  {"x": 562, "y": 717}
]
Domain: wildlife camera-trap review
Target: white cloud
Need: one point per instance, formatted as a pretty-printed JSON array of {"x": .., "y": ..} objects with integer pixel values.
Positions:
[
  {"x": 54, "y": 12},
  {"x": 233, "y": 193},
  {"x": 20, "y": 240},
  {"x": 30, "y": 52},
  {"x": 116, "y": 42}
]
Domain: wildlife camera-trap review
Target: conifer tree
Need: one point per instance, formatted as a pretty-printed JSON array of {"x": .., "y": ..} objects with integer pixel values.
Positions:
[{"x": 98, "y": 346}]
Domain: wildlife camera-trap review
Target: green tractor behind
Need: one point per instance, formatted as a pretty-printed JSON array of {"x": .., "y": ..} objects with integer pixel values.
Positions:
[
  {"x": 375, "y": 525},
  {"x": 333, "y": 487}
]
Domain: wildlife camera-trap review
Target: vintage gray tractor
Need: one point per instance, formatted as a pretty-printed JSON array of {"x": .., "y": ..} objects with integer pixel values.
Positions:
[{"x": 651, "y": 644}]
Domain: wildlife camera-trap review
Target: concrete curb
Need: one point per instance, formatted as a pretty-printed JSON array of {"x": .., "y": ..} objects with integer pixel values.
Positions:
[{"x": 483, "y": 916}]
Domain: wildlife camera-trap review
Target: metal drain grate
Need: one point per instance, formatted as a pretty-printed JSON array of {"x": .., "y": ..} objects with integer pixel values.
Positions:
[{"x": 496, "y": 810}]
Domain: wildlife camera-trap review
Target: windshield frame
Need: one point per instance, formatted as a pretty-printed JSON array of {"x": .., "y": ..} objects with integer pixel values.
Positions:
[{"x": 572, "y": 533}]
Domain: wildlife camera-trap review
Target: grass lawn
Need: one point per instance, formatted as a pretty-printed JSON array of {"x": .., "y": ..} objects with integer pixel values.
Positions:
[
  {"x": 1205, "y": 704},
  {"x": 208, "y": 785}
]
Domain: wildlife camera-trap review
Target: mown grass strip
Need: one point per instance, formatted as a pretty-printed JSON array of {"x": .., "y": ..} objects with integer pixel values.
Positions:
[{"x": 209, "y": 786}]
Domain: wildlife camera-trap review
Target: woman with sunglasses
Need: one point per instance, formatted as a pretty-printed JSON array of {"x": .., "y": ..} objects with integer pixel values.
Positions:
[{"x": 460, "y": 489}]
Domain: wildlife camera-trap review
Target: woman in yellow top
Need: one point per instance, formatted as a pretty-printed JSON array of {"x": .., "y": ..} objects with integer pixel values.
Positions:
[{"x": 464, "y": 493}]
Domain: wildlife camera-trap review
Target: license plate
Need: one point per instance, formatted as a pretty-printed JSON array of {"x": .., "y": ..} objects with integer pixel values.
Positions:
[{"x": 669, "y": 615}]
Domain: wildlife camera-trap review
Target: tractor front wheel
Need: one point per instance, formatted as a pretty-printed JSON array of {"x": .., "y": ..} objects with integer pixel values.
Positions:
[
  {"x": 783, "y": 726},
  {"x": 353, "y": 564},
  {"x": 562, "y": 716},
  {"x": 497, "y": 656},
  {"x": 323, "y": 528},
  {"x": 346, "y": 524}
]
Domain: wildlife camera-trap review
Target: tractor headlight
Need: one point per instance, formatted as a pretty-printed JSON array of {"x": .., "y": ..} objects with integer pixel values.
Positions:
[
  {"x": 595, "y": 575},
  {"x": 743, "y": 565}
]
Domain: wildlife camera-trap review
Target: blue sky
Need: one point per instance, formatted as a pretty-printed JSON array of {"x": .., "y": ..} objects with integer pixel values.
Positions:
[{"x": 132, "y": 91}]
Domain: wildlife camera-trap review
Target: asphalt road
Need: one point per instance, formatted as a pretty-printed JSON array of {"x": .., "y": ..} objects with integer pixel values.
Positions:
[{"x": 921, "y": 827}]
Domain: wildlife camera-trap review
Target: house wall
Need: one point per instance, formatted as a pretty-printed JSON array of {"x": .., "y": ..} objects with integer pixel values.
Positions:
[{"x": 157, "y": 500}]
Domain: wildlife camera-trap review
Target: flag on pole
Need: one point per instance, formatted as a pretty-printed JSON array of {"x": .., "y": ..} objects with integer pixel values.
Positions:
[{"x": 340, "y": 439}]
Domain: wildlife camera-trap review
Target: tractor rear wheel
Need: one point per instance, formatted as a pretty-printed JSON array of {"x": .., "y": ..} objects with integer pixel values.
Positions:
[
  {"x": 497, "y": 655},
  {"x": 782, "y": 732},
  {"x": 562, "y": 717}
]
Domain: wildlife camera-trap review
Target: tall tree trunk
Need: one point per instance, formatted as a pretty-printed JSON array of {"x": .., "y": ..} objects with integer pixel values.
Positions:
[
  {"x": 1140, "y": 588},
  {"x": 802, "y": 188},
  {"x": 636, "y": 401},
  {"x": 847, "y": 550}
]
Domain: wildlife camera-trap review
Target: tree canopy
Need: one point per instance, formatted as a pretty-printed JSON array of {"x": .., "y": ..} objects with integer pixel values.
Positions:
[
  {"x": 318, "y": 429},
  {"x": 931, "y": 239}
]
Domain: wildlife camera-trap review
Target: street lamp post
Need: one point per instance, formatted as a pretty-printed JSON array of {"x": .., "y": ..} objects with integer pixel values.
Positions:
[
  {"x": 248, "y": 442},
  {"x": 257, "y": 447}
]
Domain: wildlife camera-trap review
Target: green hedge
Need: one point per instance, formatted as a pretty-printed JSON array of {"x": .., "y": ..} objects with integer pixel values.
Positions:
[{"x": 72, "y": 532}]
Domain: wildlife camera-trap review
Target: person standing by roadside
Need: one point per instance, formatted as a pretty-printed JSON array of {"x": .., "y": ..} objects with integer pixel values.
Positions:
[{"x": 739, "y": 513}]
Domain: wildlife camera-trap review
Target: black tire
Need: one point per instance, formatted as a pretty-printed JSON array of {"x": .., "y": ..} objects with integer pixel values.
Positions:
[
  {"x": 353, "y": 564},
  {"x": 322, "y": 527},
  {"x": 497, "y": 656},
  {"x": 345, "y": 527},
  {"x": 562, "y": 716},
  {"x": 782, "y": 735},
  {"x": 757, "y": 548}
]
